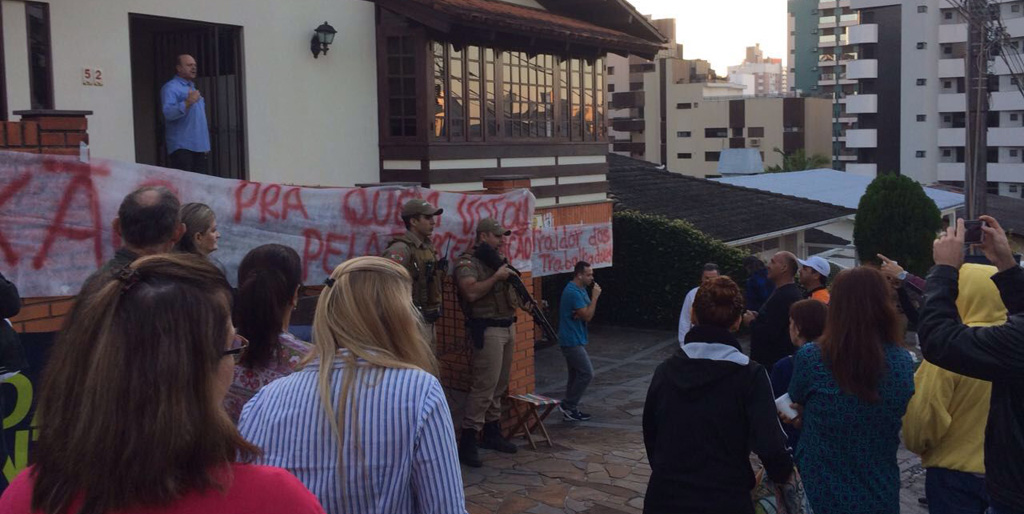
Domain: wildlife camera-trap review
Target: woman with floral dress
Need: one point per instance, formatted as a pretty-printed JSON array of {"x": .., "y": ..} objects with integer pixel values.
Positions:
[{"x": 268, "y": 290}]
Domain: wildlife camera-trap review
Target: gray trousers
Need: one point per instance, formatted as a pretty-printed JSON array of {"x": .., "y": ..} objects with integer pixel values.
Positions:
[{"x": 581, "y": 371}]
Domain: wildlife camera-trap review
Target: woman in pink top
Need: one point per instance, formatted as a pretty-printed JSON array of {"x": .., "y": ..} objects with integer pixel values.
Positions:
[
  {"x": 130, "y": 416},
  {"x": 268, "y": 290}
]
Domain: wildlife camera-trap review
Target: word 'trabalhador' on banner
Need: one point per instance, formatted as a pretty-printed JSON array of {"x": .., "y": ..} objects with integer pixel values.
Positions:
[{"x": 558, "y": 249}]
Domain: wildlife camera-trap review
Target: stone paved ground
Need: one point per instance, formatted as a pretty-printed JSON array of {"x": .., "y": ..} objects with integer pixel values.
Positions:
[{"x": 599, "y": 466}]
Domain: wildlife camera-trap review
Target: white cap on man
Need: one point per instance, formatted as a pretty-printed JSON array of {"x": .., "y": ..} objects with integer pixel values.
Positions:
[{"x": 817, "y": 264}]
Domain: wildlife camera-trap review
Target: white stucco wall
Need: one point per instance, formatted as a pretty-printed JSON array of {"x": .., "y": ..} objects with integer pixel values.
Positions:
[{"x": 308, "y": 121}]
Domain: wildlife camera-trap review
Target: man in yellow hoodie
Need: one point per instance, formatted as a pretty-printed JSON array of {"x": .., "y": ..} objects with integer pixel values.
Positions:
[{"x": 946, "y": 418}]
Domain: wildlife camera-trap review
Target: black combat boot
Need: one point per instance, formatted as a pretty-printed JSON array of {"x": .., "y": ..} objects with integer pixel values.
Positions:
[
  {"x": 468, "y": 454},
  {"x": 493, "y": 439}
]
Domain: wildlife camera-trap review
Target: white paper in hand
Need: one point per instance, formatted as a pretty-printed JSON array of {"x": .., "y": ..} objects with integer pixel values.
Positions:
[{"x": 782, "y": 404}]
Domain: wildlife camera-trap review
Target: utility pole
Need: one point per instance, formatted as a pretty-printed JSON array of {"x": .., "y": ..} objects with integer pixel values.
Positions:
[
  {"x": 976, "y": 149},
  {"x": 837, "y": 53}
]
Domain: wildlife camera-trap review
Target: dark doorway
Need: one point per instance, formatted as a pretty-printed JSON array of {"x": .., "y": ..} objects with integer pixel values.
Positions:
[{"x": 155, "y": 44}]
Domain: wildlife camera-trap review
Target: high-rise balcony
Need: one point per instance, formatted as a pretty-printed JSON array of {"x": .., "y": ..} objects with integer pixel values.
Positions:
[
  {"x": 862, "y": 69},
  {"x": 1007, "y": 101},
  {"x": 952, "y": 171},
  {"x": 831, "y": 40},
  {"x": 953, "y": 33},
  {"x": 628, "y": 125},
  {"x": 627, "y": 146},
  {"x": 863, "y": 169},
  {"x": 954, "y": 102},
  {"x": 1006, "y": 136},
  {"x": 952, "y": 136},
  {"x": 627, "y": 100},
  {"x": 864, "y": 34},
  {"x": 951, "y": 68},
  {"x": 862, "y": 138},
  {"x": 862, "y": 104}
]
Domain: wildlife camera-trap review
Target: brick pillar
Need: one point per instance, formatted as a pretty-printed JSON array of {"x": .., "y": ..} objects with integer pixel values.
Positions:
[
  {"x": 54, "y": 133},
  {"x": 59, "y": 132}
]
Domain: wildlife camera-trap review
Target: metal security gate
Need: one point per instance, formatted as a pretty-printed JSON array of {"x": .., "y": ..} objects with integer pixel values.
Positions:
[{"x": 220, "y": 78}]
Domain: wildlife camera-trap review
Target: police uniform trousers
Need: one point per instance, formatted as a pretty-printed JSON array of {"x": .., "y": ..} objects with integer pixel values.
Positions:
[{"x": 490, "y": 366}]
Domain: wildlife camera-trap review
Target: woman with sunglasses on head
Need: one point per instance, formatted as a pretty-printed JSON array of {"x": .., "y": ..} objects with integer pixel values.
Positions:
[
  {"x": 130, "y": 415},
  {"x": 365, "y": 425},
  {"x": 269, "y": 278}
]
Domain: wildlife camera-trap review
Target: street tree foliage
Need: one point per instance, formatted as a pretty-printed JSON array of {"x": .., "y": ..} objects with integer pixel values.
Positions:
[
  {"x": 897, "y": 219},
  {"x": 799, "y": 161}
]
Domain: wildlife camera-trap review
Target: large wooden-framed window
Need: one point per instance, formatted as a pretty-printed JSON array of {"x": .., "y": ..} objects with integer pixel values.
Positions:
[
  {"x": 478, "y": 94},
  {"x": 40, "y": 56},
  {"x": 528, "y": 95},
  {"x": 401, "y": 84}
]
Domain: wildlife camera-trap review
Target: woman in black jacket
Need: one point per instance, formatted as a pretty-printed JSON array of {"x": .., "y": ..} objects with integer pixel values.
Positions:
[
  {"x": 707, "y": 408},
  {"x": 11, "y": 357}
]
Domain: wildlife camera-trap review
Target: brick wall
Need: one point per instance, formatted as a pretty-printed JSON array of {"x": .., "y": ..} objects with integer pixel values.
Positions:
[
  {"x": 48, "y": 132},
  {"x": 54, "y": 133}
]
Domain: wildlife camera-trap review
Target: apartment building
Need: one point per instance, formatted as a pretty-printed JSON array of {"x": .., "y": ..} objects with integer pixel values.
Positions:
[
  {"x": 823, "y": 38},
  {"x": 684, "y": 118},
  {"x": 631, "y": 113},
  {"x": 627, "y": 74},
  {"x": 909, "y": 95},
  {"x": 760, "y": 76}
]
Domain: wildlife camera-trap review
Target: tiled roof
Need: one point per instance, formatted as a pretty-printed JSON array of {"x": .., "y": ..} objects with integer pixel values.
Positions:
[
  {"x": 815, "y": 236},
  {"x": 1008, "y": 211},
  {"x": 502, "y": 15},
  {"x": 722, "y": 211}
]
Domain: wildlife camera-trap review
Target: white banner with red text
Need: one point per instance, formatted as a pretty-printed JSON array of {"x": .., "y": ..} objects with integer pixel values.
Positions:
[{"x": 56, "y": 218}]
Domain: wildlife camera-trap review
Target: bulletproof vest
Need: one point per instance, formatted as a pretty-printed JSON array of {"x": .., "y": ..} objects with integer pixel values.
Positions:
[
  {"x": 426, "y": 277},
  {"x": 496, "y": 304}
]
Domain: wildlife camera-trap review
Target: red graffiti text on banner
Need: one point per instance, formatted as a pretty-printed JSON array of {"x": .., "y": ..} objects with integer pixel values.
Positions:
[{"x": 81, "y": 181}]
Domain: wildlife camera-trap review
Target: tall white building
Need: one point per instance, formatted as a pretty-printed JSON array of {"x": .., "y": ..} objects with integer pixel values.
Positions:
[
  {"x": 760, "y": 76},
  {"x": 910, "y": 99}
]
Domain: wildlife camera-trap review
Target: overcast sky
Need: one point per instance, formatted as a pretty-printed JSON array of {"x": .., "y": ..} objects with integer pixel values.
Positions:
[{"x": 720, "y": 30}]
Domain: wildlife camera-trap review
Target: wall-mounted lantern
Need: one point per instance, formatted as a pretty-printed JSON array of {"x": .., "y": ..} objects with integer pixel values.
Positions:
[{"x": 323, "y": 36}]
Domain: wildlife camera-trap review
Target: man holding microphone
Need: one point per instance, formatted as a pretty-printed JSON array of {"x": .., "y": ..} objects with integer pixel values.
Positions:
[{"x": 184, "y": 109}]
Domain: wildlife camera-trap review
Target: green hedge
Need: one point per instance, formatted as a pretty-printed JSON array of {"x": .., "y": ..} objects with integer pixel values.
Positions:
[{"x": 656, "y": 262}]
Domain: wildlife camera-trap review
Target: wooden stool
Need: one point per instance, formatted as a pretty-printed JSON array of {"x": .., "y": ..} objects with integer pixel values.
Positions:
[{"x": 532, "y": 404}]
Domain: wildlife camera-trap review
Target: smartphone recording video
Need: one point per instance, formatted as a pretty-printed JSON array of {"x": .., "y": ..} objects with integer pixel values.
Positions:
[{"x": 972, "y": 232}]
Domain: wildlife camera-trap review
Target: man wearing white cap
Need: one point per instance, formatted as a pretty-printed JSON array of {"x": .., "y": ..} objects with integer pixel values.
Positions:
[{"x": 814, "y": 274}]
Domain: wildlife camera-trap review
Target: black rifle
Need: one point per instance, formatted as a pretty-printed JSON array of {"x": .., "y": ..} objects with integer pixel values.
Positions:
[{"x": 492, "y": 259}]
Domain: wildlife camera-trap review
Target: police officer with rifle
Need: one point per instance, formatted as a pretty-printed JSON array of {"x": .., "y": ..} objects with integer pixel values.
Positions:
[{"x": 489, "y": 301}]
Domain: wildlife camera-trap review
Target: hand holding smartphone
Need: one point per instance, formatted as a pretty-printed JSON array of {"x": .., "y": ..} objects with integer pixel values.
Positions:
[{"x": 973, "y": 234}]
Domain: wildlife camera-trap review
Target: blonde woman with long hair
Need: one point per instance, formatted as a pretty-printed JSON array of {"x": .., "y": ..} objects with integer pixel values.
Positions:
[{"x": 364, "y": 424}]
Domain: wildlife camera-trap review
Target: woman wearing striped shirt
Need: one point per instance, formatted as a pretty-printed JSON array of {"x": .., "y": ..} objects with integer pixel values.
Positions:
[{"x": 365, "y": 425}]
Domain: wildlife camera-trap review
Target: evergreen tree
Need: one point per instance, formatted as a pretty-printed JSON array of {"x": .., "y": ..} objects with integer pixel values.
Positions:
[{"x": 896, "y": 218}]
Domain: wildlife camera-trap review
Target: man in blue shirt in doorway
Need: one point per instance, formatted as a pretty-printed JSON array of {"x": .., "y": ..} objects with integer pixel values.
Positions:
[
  {"x": 575, "y": 311},
  {"x": 188, "y": 136}
]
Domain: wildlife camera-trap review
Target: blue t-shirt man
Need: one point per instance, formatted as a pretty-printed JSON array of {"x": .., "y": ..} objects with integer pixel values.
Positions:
[
  {"x": 575, "y": 310},
  {"x": 572, "y": 331}
]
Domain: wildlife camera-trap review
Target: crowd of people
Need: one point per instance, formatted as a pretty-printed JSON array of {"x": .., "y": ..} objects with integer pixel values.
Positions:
[
  {"x": 833, "y": 365},
  {"x": 168, "y": 390}
]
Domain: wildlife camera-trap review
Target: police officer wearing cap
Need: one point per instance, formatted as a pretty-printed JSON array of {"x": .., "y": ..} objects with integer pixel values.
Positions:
[
  {"x": 490, "y": 306},
  {"x": 415, "y": 251}
]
